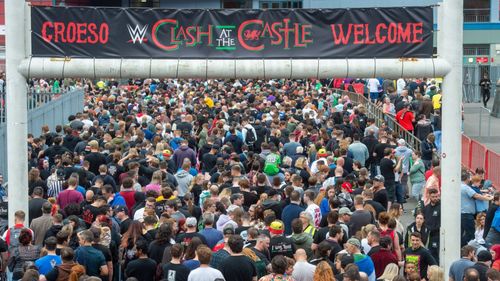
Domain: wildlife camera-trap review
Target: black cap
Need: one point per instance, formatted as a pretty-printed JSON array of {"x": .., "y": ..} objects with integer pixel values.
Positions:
[
  {"x": 118, "y": 209},
  {"x": 484, "y": 256}
]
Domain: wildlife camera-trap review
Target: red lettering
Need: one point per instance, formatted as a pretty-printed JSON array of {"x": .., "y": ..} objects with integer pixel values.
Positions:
[
  {"x": 59, "y": 32},
  {"x": 266, "y": 31},
  {"x": 81, "y": 31},
  {"x": 341, "y": 37},
  {"x": 367, "y": 40},
  {"x": 154, "y": 33},
  {"x": 306, "y": 33},
  {"x": 380, "y": 38},
  {"x": 93, "y": 37},
  {"x": 358, "y": 32},
  {"x": 104, "y": 33},
  {"x": 45, "y": 26},
  {"x": 275, "y": 28},
  {"x": 241, "y": 31},
  {"x": 286, "y": 32},
  {"x": 180, "y": 33},
  {"x": 71, "y": 32},
  {"x": 404, "y": 35},
  {"x": 192, "y": 39},
  {"x": 297, "y": 36},
  {"x": 392, "y": 33},
  {"x": 418, "y": 29}
]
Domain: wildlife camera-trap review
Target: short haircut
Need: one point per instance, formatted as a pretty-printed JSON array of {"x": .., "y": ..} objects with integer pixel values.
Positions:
[
  {"x": 46, "y": 207},
  {"x": 385, "y": 242},
  {"x": 235, "y": 243},
  {"x": 67, "y": 254},
  {"x": 334, "y": 230},
  {"x": 142, "y": 245},
  {"x": 87, "y": 235},
  {"x": 204, "y": 254},
  {"x": 295, "y": 196},
  {"x": 309, "y": 194},
  {"x": 416, "y": 234},
  {"x": 50, "y": 243},
  {"x": 466, "y": 250},
  {"x": 279, "y": 264},
  {"x": 20, "y": 215},
  {"x": 471, "y": 274},
  {"x": 208, "y": 218},
  {"x": 176, "y": 251},
  {"x": 297, "y": 226},
  {"x": 375, "y": 234}
]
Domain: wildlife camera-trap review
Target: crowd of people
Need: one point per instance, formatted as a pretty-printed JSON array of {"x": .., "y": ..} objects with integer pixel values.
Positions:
[{"x": 245, "y": 180}]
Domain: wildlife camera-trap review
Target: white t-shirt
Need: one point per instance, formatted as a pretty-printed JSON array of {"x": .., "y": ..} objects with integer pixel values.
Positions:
[
  {"x": 315, "y": 212},
  {"x": 303, "y": 271},
  {"x": 205, "y": 274},
  {"x": 400, "y": 84},
  {"x": 373, "y": 85}
]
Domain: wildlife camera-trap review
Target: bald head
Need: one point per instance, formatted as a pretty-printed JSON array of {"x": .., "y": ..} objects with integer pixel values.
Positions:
[{"x": 300, "y": 255}]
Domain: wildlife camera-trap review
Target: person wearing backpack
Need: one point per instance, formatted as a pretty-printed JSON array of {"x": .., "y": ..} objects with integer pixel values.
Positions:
[
  {"x": 23, "y": 253},
  {"x": 11, "y": 236},
  {"x": 249, "y": 134}
]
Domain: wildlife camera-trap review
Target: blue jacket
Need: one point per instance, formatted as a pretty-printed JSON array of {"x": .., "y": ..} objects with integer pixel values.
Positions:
[
  {"x": 365, "y": 264},
  {"x": 118, "y": 200},
  {"x": 290, "y": 212}
]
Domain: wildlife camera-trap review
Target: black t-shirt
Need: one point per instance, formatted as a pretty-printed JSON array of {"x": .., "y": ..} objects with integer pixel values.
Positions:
[
  {"x": 142, "y": 269},
  {"x": 381, "y": 197},
  {"x": 89, "y": 214},
  {"x": 156, "y": 250},
  {"x": 387, "y": 169},
  {"x": 185, "y": 238},
  {"x": 124, "y": 225},
  {"x": 250, "y": 198},
  {"x": 175, "y": 272},
  {"x": 281, "y": 245},
  {"x": 379, "y": 208},
  {"x": 238, "y": 268},
  {"x": 379, "y": 150},
  {"x": 320, "y": 235},
  {"x": 35, "y": 208},
  {"x": 374, "y": 250},
  {"x": 209, "y": 162},
  {"x": 335, "y": 248},
  {"x": 107, "y": 255},
  {"x": 264, "y": 256}
]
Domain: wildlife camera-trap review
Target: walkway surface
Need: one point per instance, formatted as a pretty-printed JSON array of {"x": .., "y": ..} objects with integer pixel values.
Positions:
[{"x": 474, "y": 116}]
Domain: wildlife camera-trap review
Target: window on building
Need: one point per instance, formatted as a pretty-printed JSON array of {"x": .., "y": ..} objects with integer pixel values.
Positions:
[
  {"x": 144, "y": 3},
  {"x": 476, "y": 50},
  {"x": 277, "y": 4},
  {"x": 236, "y": 4},
  {"x": 477, "y": 10}
]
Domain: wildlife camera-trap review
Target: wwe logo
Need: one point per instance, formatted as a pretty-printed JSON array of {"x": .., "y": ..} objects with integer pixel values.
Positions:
[{"x": 137, "y": 33}]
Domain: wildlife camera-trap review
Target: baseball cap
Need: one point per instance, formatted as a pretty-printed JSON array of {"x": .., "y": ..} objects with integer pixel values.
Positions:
[
  {"x": 167, "y": 153},
  {"x": 347, "y": 186},
  {"x": 228, "y": 229},
  {"x": 379, "y": 178},
  {"x": 191, "y": 221},
  {"x": 118, "y": 209},
  {"x": 344, "y": 211},
  {"x": 322, "y": 152},
  {"x": 484, "y": 255},
  {"x": 276, "y": 227},
  {"x": 354, "y": 241}
]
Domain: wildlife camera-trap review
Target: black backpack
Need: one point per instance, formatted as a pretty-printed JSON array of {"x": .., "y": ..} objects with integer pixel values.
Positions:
[{"x": 250, "y": 138}]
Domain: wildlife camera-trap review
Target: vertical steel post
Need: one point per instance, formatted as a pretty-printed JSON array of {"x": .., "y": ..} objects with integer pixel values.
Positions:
[
  {"x": 451, "y": 49},
  {"x": 17, "y": 113}
]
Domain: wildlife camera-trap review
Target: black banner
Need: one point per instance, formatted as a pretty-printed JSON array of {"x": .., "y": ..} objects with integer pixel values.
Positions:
[{"x": 281, "y": 33}]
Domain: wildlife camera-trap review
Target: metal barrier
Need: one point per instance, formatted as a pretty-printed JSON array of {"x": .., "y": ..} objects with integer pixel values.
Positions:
[
  {"x": 466, "y": 151},
  {"x": 35, "y": 100},
  {"x": 477, "y": 155},
  {"x": 51, "y": 109},
  {"x": 376, "y": 112},
  {"x": 492, "y": 166}
]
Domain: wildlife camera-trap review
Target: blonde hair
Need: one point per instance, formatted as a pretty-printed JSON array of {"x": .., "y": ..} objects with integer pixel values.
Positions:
[
  {"x": 299, "y": 163},
  {"x": 225, "y": 193},
  {"x": 435, "y": 273},
  {"x": 159, "y": 148},
  {"x": 478, "y": 219},
  {"x": 390, "y": 271}
]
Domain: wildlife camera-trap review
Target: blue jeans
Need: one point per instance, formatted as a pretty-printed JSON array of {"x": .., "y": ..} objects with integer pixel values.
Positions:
[
  {"x": 493, "y": 237},
  {"x": 400, "y": 193},
  {"x": 416, "y": 190},
  {"x": 437, "y": 141}
]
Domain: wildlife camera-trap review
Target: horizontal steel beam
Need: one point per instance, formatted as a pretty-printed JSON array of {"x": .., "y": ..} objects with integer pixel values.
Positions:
[{"x": 36, "y": 67}]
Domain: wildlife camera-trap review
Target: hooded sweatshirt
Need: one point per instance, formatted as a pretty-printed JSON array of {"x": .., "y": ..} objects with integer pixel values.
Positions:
[
  {"x": 184, "y": 152},
  {"x": 303, "y": 241},
  {"x": 183, "y": 178},
  {"x": 406, "y": 152},
  {"x": 365, "y": 265},
  {"x": 223, "y": 221}
]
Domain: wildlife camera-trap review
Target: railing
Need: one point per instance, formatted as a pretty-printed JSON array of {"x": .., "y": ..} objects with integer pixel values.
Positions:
[
  {"x": 376, "y": 112},
  {"x": 35, "y": 100},
  {"x": 476, "y": 15},
  {"x": 476, "y": 155}
]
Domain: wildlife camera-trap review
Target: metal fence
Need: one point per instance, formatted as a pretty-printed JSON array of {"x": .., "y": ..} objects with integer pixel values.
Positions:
[
  {"x": 472, "y": 74},
  {"x": 44, "y": 109},
  {"x": 377, "y": 113},
  {"x": 476, "y": 15}
]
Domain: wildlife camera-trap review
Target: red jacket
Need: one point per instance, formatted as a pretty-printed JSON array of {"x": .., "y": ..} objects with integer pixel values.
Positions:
[{"x": 381, "y": 259}]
